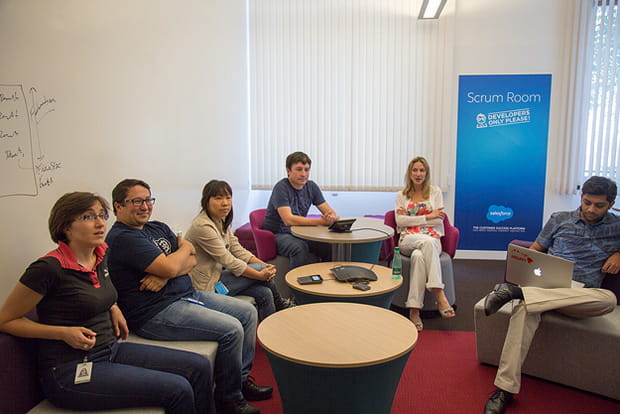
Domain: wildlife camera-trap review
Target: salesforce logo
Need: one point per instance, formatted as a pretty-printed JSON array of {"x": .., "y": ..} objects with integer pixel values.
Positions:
[{"x": 498, "y": 214}]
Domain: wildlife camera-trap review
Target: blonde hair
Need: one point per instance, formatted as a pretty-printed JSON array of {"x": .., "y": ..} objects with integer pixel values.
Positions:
[{"x": 426, "y": 185}]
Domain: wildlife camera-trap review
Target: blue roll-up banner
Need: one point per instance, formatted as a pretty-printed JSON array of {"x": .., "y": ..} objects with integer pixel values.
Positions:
[{"x": 501, "y": 158}]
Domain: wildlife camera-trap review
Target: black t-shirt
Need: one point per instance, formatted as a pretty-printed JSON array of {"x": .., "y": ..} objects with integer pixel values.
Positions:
[
  {"x": 132, "y": 250},
  {"x": 70, "y": 298}
]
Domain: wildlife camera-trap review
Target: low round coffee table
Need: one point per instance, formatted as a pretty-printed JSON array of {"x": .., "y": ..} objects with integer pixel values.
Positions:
[
  {"x": 331, "y": 290},
  {"x": 337, "y": 357}
]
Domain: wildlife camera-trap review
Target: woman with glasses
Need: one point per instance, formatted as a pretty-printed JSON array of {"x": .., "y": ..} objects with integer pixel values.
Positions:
[
  {"x": 419, "y": 219},
  {"x": 223, "y": 264},
  {"x": 82, "y": 366}
]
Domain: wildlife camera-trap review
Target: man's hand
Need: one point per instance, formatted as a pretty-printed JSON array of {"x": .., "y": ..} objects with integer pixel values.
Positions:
[
  {"x": 153, "y": 283},
  {"x": 119, "y": 324},
  {"x": 328, "y": 219},
  {"x": 612, "y": 264},
  {"x": 184, "y": 244}
]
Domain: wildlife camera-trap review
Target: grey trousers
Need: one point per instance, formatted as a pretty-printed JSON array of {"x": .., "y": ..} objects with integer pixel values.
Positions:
[{"x": 574, "y": 302}]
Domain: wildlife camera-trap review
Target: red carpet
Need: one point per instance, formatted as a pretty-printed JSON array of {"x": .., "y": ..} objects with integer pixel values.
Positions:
[{"x": 443, "y": 376}]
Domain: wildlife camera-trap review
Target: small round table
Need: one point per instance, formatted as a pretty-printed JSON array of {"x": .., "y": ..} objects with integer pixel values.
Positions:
[
  {"x": 366, "y": 232},
  {"x": 331, "y": 290},
  {"x": 337, "y": 357}
]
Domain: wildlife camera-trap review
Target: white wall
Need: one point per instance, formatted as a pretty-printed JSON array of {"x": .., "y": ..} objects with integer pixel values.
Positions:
[
  {"x": 157, "y": 90},
  {"x": 514, "y": 36},
  {"x": 146, "y": 89}
]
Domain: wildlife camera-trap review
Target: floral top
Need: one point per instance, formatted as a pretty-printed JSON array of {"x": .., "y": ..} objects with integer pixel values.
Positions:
[
  {"x": 415, "y": 221},
  {"x": 421, "y": 208}
]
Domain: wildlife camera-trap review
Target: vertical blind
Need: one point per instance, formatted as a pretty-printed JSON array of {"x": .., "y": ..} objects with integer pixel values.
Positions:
[
  {"x": 587, "y": 139},
  {"x": 361, "y": 86},
  {"x": 602, "y": 150}
]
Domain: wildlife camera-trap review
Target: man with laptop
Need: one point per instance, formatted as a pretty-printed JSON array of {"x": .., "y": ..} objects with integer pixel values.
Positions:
[
  {"x": 288, "y": 206},
  {"x": 590, "y": 238}
]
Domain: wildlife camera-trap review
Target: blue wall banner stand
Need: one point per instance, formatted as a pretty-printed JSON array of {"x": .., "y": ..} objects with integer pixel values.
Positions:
[{"x": 501, "y": 158}]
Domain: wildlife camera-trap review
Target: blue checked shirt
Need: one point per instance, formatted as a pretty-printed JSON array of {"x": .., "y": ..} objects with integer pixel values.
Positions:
[{"x": 568, "y": 236}]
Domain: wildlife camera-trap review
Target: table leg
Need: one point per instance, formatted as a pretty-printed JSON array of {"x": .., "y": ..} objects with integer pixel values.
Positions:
[
  {"x": 310, "y": 390},
  {"x": 341, "y": 252}
]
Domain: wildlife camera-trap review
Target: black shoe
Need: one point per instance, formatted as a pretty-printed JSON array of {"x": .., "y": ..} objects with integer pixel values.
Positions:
[
  {"x": 498, "y": 402},
  {"x": 235, "y": 407},
  {"x": 502, "y": 294},
  {"x": 253, "y": 392},
  {"x": 284, "y": 303}
]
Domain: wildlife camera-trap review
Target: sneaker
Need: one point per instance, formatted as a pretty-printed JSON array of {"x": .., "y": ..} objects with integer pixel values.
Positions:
[
  {"x": 235, "y": 407},
  {"x": 284, "y": 303},
  {"x": 253, "y": 392}
]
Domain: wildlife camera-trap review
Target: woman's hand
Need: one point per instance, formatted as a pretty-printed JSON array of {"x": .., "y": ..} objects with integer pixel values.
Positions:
[
  {"x": 437, "y": 213},
  {"x": 267, "y": 273},
  {"x": 119, "y": 324},
  {"x": 79, "y": 337},
  {"x": 401, "y": 211}
]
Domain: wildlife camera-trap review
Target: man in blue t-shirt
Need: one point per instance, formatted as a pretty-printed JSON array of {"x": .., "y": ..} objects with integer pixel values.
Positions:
[
  {"x": 148, "y": 265},
  {"x": 288, "y": 206},
  {"x": 589, "y": 237}
]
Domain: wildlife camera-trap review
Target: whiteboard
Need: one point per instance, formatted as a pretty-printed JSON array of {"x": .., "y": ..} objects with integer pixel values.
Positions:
[{"x": 92, "y": 92}]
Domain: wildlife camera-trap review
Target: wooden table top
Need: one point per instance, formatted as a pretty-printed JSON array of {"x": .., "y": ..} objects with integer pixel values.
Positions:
[
  {"x": 332, "y": 287},
  {"x": 364, "y": 230},
  {"x": 337, "y": 335}
]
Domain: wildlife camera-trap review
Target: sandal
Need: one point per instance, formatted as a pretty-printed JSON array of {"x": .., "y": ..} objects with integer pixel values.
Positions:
[
  {"x": 414, "y": 317},
  {"x": 418, "y": 325},
  {"x": 447, "y": 313}
]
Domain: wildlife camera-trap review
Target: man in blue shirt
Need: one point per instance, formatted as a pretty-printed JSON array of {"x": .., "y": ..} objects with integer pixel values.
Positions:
[
  {"x": 288, "y": 206},
  {"x": 148, "y": 265},
  {"x": 589, "y": 237}
]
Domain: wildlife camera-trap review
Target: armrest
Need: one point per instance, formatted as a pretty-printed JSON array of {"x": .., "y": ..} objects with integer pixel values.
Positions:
[
  {"x": 450, "y": 239},
  {"x": 265, "y": 243}
]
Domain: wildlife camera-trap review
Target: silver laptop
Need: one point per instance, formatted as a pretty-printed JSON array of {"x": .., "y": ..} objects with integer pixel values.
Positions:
[{"x": 527, "y": 267}]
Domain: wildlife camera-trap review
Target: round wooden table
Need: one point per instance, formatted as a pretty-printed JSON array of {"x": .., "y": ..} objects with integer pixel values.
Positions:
[
  {"x": 366, "y": 232},
  {"x": 331, "y": 290},
  {"x": 337, "y": 357}
]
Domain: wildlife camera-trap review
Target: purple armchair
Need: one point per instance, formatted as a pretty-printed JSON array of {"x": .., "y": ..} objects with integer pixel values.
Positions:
[{"x": 264, "y": 239}]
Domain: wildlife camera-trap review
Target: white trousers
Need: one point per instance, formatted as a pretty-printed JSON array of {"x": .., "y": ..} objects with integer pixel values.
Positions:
[
  {"x": 575, "y": 302},
  {"x": 425, "y": 269}
]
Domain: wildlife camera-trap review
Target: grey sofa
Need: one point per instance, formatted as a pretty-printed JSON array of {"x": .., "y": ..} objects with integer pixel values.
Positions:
[
  {"x": 20, "y": 391},
  {"x": 580, "y": 353}
]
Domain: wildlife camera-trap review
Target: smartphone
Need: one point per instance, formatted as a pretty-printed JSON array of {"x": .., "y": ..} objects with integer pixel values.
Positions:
[{"x": 309, "y": 280}]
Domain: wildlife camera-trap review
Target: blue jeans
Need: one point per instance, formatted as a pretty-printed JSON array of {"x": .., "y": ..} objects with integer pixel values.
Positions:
[
  {"x": 298, "y": 250},
  {"x": 126, "y": 375},
  {"x": 229, "y": 321},
  {"x": 264, "y": 293}
]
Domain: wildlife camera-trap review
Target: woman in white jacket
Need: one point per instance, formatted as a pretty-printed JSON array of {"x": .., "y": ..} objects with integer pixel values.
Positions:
[{"x": 419, "y": 219}]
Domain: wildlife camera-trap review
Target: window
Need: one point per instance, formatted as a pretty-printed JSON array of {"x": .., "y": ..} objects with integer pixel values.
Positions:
[
  {"x": 360, "y": 86},
  {"x": 602, "y": 152}
]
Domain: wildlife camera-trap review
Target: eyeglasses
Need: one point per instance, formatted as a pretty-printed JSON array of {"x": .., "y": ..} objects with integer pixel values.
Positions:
[
  {"x": 93, "y": 217},
  {"x": 137, "y": 202}
]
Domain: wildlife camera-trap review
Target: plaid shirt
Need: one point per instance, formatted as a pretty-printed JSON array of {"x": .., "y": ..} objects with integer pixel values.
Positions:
[{"x": 568, "y": 236}]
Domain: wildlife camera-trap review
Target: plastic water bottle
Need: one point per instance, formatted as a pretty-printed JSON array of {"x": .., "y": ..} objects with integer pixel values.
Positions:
[{"x": 397, "y": 264}]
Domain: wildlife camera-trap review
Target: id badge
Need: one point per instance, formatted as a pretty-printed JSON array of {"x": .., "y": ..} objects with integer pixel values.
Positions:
[
  {"x": 220, "y": 288},
  {"x": 83, "y": 372}
]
